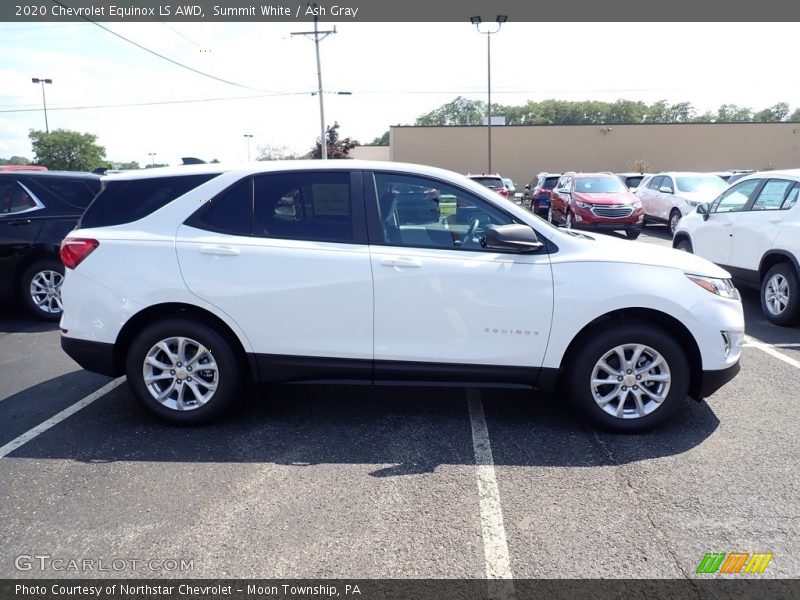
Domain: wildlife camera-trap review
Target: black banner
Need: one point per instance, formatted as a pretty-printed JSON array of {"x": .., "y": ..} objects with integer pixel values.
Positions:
[
  {"x": 369, "y": 589},
  {"x": 396, "y": 11}
]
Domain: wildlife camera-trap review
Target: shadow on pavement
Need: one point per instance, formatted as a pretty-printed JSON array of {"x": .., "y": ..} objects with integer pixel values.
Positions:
[
  {"x": 400, "y": 430},
  {"x": 14, "y": 319}
]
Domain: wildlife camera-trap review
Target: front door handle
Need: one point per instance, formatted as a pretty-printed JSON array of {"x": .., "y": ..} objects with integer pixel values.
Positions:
[
  {"x": 18, "y": 222},
  {"x": 402, "y": 262},
  {"x": 214, "y": 250},
  {"x": 775, "y": 220}
]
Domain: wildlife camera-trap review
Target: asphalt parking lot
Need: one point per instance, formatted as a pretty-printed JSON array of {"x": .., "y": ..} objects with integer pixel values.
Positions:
[{"x": 359, "y": 482}]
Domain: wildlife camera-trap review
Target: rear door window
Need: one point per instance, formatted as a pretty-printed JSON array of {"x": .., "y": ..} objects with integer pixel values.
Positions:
[{"x": 125, "y": 201}]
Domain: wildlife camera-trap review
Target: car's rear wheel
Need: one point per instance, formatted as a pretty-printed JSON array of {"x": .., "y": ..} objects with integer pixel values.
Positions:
[
  {"x": 780, "y": 295},
  {"x": 183, "y": 370},
  {"x": 628, "y": 378},
  {"x": 684, "y": 244},
  {"x": 674, "y": 219},
  {"x": 40, "y": 289}
]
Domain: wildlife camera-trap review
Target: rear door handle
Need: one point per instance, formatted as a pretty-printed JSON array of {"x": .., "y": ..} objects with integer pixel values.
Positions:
[
  {"x": 219, "y": 250},
  {"x": 775, "y": 220},
  {"x": 402, "y": 262}
]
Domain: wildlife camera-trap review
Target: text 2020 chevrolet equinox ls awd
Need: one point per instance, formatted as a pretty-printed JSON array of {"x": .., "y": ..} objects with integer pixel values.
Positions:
[{"x": 193, "y": 280}]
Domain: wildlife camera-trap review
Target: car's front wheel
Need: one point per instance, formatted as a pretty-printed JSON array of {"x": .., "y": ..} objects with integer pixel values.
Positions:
[
  {"x": 780, "y": 295},
  {"x": 684, "y": 244},
  {"x": 183, "y": 370},
  {"x": 674, "y": 219},
  {"x": 40, "y": 289},
  {"x": 633, "y": 233},
  {"x": 628, "y": 378}
]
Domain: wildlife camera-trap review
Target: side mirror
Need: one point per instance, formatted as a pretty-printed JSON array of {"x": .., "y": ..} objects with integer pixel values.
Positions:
[
  {"x": 704, "y": 209},
  {"x": 528, "y": 187},
  {"x": 666, "y": 189},
  {"x": 514, "y": 238}
]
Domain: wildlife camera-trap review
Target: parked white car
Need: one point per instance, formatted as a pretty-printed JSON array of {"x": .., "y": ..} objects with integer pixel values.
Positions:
[
  {"x": 753, "y": 230},
  {"x": 193, "y": 280},
  {"x": 667, "y": 197}
]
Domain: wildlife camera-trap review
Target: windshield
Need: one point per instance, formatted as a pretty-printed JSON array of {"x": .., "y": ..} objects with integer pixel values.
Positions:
[
  {"x": 490, "y": 182},
  {"x": 599, "y": 185},
  {"x": 700, "y": 183}
]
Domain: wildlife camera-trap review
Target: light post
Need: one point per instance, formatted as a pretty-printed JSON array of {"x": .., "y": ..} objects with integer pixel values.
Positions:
[
  {"x": 249, "y": 136},
  {"x": 152, "y": 156},
  {"x": 477, "y": 22},
  {"x": 44, "y": 100},
  {"x": 318, "y": 37}
]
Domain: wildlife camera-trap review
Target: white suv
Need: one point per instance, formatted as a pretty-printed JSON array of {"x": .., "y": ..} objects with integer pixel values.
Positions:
[
  {"x": 193, "y": 280},
  {"x": 667, "y": 197},
  {"x": 753, "y": 230}
]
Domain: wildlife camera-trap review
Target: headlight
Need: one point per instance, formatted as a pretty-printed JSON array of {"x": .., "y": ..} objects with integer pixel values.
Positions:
[
  {"x": 636, "y": 204},
  {"x": 720, "y": 287},
  {"x": 583, "y": 204}
]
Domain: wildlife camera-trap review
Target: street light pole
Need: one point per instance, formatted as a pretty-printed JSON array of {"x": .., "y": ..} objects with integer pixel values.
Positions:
[
  {"x": 318, "y": 37},
  {"x": 249, "y": 136},
  {"x": 152, "y": 156},
  {"x": 477, "y": 22},
  {"x": 44, "y": 99}
]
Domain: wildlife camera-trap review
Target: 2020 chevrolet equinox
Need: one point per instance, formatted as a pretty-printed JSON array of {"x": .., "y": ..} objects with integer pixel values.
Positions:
[{"x": 195, "y": 279}]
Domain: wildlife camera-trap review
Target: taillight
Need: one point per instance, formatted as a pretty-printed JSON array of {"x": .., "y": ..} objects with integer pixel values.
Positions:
[
  {"x": 503, "y": 191},
  {"x": 74, "y": 250}
]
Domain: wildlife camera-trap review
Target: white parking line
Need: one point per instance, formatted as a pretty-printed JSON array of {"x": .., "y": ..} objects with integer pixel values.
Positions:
[
  {"x": 56, "y": 419},
  {"x": 754, "y": 343},
  {"x": 495, "y": 548}
]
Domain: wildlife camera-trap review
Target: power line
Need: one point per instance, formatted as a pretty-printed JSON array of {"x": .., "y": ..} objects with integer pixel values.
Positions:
[
  {"x": 158, "y": 103},
  {"x": 153, "y": 52}
]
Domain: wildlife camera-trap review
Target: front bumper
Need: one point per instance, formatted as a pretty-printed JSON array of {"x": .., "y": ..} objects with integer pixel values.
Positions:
[{"x": 711, "y": 381}]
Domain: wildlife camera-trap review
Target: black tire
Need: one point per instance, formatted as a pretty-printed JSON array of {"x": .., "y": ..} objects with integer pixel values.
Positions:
[
  {"x": 633, "y": 233},
  {"x": 215, "y": 346},
  {"x": 43, "y": 301},
  {"x": 578, "y": 376},
  {"x": 685, "y": 244},
  {"x": 674, "y": 218},
  {"x": 781, "y": 278}
]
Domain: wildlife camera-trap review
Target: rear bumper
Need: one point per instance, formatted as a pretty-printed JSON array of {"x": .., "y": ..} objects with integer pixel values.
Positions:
[
  {"x": 97, "y": 357},
  {"x": 711, "y": 381}
]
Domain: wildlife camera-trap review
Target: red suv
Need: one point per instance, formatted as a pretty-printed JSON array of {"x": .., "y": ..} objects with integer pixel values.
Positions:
[
  {"x": 493, "y": 182},
  {"x": 595, "y": 201}
]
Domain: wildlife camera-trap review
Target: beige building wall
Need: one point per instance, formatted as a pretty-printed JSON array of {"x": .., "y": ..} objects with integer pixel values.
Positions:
[
  {"x": 370, "y": 153},
  {"x": 520, "y": 152}
]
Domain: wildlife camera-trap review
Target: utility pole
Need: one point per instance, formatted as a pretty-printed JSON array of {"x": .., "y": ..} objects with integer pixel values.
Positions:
[{"x": 318, "y": 37}]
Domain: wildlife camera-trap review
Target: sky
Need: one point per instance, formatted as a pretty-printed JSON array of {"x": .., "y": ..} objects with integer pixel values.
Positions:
[{"x": 394, "y": 71}]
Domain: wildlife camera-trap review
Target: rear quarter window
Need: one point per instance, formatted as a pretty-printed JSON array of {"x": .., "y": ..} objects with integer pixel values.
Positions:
[{"x": 125, "y": 201}]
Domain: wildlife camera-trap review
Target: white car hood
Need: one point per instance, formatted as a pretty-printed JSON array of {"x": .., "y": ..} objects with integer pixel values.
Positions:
[{"x": 603, "y": 248}]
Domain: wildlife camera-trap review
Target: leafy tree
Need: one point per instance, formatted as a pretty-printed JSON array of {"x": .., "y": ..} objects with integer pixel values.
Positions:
[
  {"x": 65, "y": 150},
  {"x": 336, "y": 148},
  {"x": 779, "y": 112},
  {"x": 795, "y": 116},
  {"x": 460, "y": 111},
  {"x": 273, "y": 152},
  {"x": 155, "y": 165},
  {"x": 15, "y": 160},
  {"x": 733, "y": 113},
  {"x": 125, "y": 166},
  {"x": 382, "y": 140}
]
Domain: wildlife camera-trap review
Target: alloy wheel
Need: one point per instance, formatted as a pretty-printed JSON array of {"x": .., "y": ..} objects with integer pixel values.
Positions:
[
  {"x": 180, "y": 373},
  {"x": 630, "y": 381},
  {"x": 776, "y": 294},
  {"x": 45, "y": 291}
]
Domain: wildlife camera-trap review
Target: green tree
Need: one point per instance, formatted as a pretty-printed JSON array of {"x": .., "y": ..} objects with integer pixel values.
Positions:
[
  {"x": 337, "y": 148},
  {"x": 460, "y": 111},
  {"x": 382, "y": 140},
  {"x": 274, "y": 152},
  {"x": 125, "y": 166},
  {"x": 733, "y": 113},
  {"x": 64, "y": 150},
  {"x": 779, "y": 112},
  {"x": 15, "y": 160}
]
